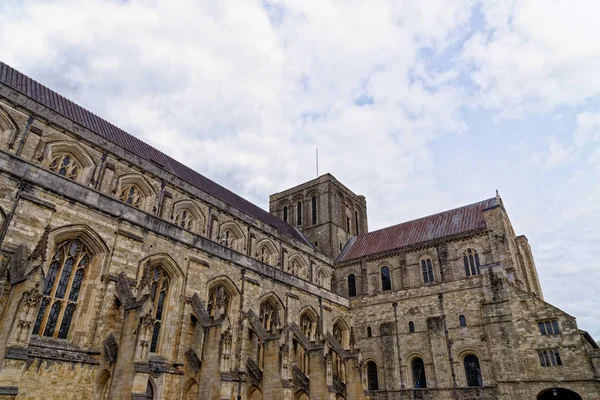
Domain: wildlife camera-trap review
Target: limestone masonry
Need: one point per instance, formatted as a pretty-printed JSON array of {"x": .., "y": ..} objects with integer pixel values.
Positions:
[{"x": 126, "y": 275}]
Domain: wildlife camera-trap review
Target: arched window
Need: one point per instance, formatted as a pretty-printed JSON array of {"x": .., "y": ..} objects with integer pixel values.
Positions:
[
  {"x": 65, "y": 165},
  {"x": 299, "y": 213},
  {"x": 351, "y": 285},
  {"x": 184, "y": 219},
  {"x": 356, "y": 222},
  {"x": 471, "y": 261},
  {"x": 218, "y": 301},
  {"x": 229, "y": 239},
  {"x": 341, "y": 333},
  {"x": 386, "y": 281},
  {"x": 427, "y": 268},
  {"x": 131, "y": 194},
  {"x": 61, "y": 293},
  {"x": 418, "y": 370},
  {"x": 158, "y": 292},
  {"x": 308, "y": 325},
  {"x": 372, "y": 381},
  {"x": 473, "y": 371},
  {"x": 265, "y": 255},
  {"x": 314, "y": 210},
  {"x": 411, "y": 326},
  {"x": 462, "y": 320},
  {"x": 269, "y": 315},
  {"x": 294, "y": 269},
  {"x": 285, "y": 213},
  {"x": 369, "y": 332}
]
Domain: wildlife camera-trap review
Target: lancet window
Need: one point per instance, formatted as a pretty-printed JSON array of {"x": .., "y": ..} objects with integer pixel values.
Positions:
[
  {"x": 131, "y": 194},
  {"x": 64, "y": 279},
  {"x": 471, "y": 262},
  {"x": 158, "y": 292},
  {"x": 427, "y": 269},
  {"x": 218, "y": 301},
  {"x": 184, "y": 219}
]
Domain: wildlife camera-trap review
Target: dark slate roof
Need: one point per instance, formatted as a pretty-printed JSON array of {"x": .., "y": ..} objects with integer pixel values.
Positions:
[
  {"x": 41, "y": 94},
  {"x": 448, "y": 223}
]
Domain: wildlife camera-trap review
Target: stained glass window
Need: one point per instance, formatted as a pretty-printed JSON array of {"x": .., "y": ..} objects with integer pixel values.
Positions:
[{"x": 68, "y": 263}]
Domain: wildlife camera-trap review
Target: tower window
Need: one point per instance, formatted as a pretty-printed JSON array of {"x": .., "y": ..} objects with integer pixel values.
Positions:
[
  {"x": 427, "y": 269},
  {"x": 372, "y": 380},
  {"x": 314, "y": 210},
  {"x": 351, "y": 285},
  {"x": 356, "y": 222},
  {"x": 386, "y": 281},
  {"x": 473, "y": 371},
  {"x": 369, "y": 332},
  {"x": 285, "y": 213},
  {"x": 411, "y": 327},
  {"x": 348, "y": 224},
  {"x": 462, "y": 321},
  {"x": 471, "y": 261},
  {"x": 299, "y": 213},
  {"x": 418, "y": 370}
]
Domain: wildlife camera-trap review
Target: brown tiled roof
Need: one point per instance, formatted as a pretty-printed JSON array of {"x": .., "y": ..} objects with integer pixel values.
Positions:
[
  {"x": 447, "y": 223},
  {"x": 41, "y": 94}
]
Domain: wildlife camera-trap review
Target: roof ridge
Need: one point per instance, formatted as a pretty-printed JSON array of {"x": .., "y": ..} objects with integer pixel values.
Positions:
[{"x": 60, "y": 104}]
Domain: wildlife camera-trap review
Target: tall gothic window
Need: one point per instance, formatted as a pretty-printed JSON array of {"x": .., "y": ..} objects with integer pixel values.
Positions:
[
  {"x": 471, "y": 261},
  {"x": 158, "y": 292},
  {"x": 386, "y": 280},
  {"x": 372, "y": 380},
  {"x": 427, "y": 269},
  {"x": 184, "y": 219},
  {"x": 473, "y": 371},
  {"x": 294, "y": 268},
  {"x": 351, "y": 285},
  {"x": 299, "y": 213},
  {"x": 63, "y": 285},
  {"x": 65, "y": 165},
  {"x": 130, "y": 194},
  {"x": 228, "y": 239},
  {"x": 314, "y": 210},
  {"x": 356, "y": 223},
  {"x": 418, "y": 370},
  {"x": 285, "y": 213}
]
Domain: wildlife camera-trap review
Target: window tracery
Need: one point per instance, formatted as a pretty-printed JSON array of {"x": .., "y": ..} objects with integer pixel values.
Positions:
[
  {"x": 159, "y": 291},
  {"x": 308, "y": 325},
  {"x": 131, "y": 194},
  {"x": 265, "y": 255},
  {"x": 269, "y": 315},
  {"x": 218, "y": 302},
  {"x": 427, "y": 269},
  {"x": 66, "y": 165},
  {"x": 65, "y": 275},
  {"x": 184, "y": 219}
]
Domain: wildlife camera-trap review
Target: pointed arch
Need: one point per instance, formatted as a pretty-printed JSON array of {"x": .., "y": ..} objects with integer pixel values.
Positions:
[
  {"x": 323, "y": 277},
  {"x": 341, "y": 332},
  {"x": 194, "y": 220},
  {"x": 232, "y": 236},
  {"x": 165, "y": 261},
  {"x": 270, "y": 308},
  {"x": 266, "y": 252},
  {"x": 297, "y": 266},
  {"x": 8, "y": 127},
  {"x": 101, "y": 387},
  {"x": 84, "y": 232},
  {"x": 135, "y": 190},
  {"x": 309, "y": 322},
  {"x": 222, "y": 296},
  {"x": 81, "y": 159},
  {"x": 191, "y": 390}
]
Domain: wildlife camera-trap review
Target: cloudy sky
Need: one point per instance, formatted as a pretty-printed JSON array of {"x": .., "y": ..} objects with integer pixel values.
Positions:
[{"x": 420, "y": 105}]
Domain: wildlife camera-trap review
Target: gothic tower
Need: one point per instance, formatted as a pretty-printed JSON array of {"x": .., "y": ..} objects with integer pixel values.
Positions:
[{"x": 326, "y": 211}]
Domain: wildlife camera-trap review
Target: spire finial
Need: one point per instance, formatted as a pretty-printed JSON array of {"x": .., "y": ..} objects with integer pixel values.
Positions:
[{"x": 497, "y": 194}]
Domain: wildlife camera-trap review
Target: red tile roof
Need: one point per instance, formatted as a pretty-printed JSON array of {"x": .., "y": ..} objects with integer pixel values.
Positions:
[
  {"x": 41, "y": 94},
  {"x": 447, "y": 223}
]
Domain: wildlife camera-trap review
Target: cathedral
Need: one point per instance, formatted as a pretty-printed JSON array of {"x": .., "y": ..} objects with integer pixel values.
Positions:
[{"x": 125, "y": 274}]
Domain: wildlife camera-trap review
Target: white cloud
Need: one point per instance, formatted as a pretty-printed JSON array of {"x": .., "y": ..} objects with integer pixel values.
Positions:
[{"x": 588, "y": 128}]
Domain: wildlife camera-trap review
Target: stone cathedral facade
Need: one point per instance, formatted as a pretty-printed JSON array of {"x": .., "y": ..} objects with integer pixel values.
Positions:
[{"x": 126, "y": 275}]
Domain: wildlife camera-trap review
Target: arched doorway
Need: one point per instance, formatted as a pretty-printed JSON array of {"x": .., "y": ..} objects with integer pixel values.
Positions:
[{"x": 558, "y": 394}]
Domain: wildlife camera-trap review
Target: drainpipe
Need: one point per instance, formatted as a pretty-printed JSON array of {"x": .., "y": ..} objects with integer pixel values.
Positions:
[
  {"x": 100, "y": 168},
  {"x": 22, "y": 141},
  {"x": 22, "y": 186},
  {"x": 395, "y": 305},
  {"x": 449, "y": 345}
]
